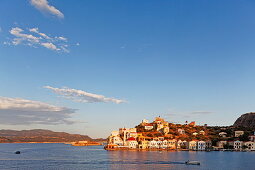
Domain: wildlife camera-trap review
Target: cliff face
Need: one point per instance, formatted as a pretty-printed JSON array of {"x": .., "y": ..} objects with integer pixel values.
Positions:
[{"x": 246, "y": 120}]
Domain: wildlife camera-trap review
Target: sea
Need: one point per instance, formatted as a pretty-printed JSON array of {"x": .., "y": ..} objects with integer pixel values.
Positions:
[{"x": 58, "y": 156}]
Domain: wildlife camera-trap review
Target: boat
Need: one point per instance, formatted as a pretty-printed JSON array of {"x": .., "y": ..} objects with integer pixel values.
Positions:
[
  {"x": 17, "y": 152},
  {"x": 192, "y": 163}
]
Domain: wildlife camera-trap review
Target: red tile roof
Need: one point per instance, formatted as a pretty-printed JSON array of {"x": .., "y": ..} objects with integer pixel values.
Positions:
[{"x": 131, "y": 138}]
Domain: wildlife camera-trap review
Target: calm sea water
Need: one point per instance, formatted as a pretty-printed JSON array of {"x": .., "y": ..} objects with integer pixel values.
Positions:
[{"x": 61, "y": 156}]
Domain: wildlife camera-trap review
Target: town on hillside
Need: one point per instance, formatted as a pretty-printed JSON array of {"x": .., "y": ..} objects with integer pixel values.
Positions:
[{"x": 162, "y": 135}]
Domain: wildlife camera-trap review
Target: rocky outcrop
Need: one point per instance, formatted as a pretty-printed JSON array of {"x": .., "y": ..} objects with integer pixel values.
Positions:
[{"x": 246, "y": 120}]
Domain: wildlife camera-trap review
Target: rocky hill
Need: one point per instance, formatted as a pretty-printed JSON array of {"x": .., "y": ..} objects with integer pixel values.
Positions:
[
  {"x": 246, "y": 120},
  {"x": 39, "y": 135}
]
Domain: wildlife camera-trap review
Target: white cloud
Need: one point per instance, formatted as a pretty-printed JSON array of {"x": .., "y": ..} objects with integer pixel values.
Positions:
[
  {"x": 43, "y": 6},
  {"x": 35, "y": 38},
  {"x": 36, "y": 30},
  {"x": 62, "y": 38},
  {"x": 50, "y": 46},
  {"x": 22, "y": 111},
  {"x": 82, "y": 96},
  {"x": 20, "y": 36}
]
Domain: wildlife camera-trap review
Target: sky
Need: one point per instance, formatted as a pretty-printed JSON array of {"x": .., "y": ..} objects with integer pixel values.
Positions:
[{"x": 91, "y": 67}]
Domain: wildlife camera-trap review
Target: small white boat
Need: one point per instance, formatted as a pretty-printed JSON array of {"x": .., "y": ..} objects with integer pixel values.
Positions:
[{"x": 192, "y": 163}]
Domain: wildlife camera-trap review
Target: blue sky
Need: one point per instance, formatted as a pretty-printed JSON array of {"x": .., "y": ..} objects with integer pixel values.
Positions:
[{"x": 183, "y": 60}]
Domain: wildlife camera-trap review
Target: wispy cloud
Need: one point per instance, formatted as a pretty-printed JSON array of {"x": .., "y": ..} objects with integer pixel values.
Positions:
[
  {"x": 20, "y": 36},
  {"x": 82, "y": 96},
  {"x": 43, "y": 6},
  {"x": 50, "y": 46},
  {"x": 201, "y": 112},
  {"x": 36, "y": 30},
  {"x": 33, "y": 37},
  {"x": 15, "y": 111}
]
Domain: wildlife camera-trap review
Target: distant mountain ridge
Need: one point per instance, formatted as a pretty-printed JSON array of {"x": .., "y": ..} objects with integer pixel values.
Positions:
[
  {"x": 246, "y": 120},
  {"x": 39, "y": 135}
]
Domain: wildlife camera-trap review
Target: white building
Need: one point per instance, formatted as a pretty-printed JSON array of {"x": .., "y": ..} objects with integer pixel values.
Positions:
[
  {"x": 164, "y": 144},
  {"x": 153, "y": 144},
  {"x": 238, "y": 145},
  {"x": 223, "y": 134},
  {"x": 115, "y": 138},
  {"x": 239, "y": 133},
  {"x": 201, "y": 145},
  {"x": 193, "y": 145},
  {"x": 195, "y": 133},
  {"x": 132, "y": 143},
  {"x": 159, "y": 144},
  {"x": 125, "y": 132},
  {"x": 148, "y": 126},
  {"x": 201, "y": 132}
]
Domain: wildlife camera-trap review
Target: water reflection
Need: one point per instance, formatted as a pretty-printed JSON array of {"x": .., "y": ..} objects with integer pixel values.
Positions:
[
  {"x": 65, "y": 157},
  {"x": 147, "y": 160}
]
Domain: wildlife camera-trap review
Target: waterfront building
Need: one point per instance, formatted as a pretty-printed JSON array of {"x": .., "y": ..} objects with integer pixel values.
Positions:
[
  {"x": 238, "y": 145},
  {"x": 153, "y": 144},
  {"x": 193, "y": 145},
  {"x": 164, "y": 144},
  {"x": 182, "y": 144},
  {"x": 115, "y": 138},
  {"x": 250, "y": 146},
  {"x": 208, "y": 144},
  {"x": 201, "y": 145},
  {"x": 239, "y": 133},
  {"x": 231, "y": 144},
  {"x": 159, "y": 144},
  {"x": 132, "y": 143},
  {"x": 172, "y": 144},
  {"x": 221, "y": 144},
  {"x": 143, "y": 144},
  {"x": 252, "y": 138}
]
